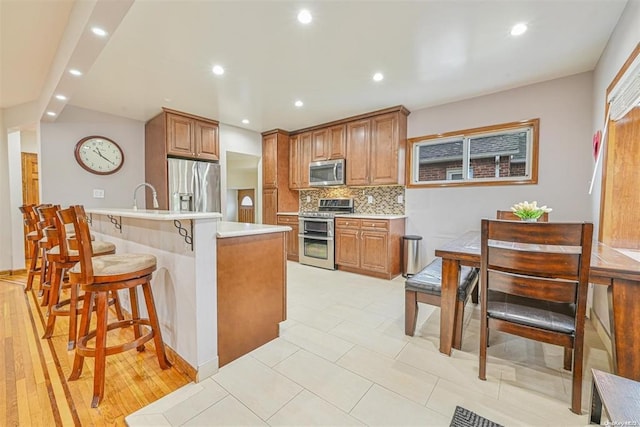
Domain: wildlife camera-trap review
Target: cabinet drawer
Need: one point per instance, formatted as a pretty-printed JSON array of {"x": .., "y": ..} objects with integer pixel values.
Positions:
[
  {"x": 376, "y": 224},
  {"x": 287, "y": 219},
  {"x": 347, "y": 223}
]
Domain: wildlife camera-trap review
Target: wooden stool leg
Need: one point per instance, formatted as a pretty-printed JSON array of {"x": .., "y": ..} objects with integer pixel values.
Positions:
[
  {"x": 118, "y": 306},
  {"x": 56, "y": 284},
  {"x": 153, "y": 319},
  {"x": 73, "y": 316},
  {"x": 135, "y": 315},
  {"x": 410, "y": 312},
  {"x": 78, "y": 360},
  {"x": 101, "y": 348},
  {"x": 43, "y": 270},
  {"x": 33, "y": 265},
  {"x": 568, "y": 358}
]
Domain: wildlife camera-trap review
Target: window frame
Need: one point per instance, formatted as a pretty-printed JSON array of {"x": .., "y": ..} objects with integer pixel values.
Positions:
[{"x": 534, "y": 124}]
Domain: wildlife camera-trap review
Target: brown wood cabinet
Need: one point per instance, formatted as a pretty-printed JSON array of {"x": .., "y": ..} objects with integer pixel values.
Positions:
[
  {"x": 373, "y": 146},
  {"x": 292, "y": 236},
  {"x": 191, "y": 137},
  {"x": 369, "y": 246},
  {"x": 376, "y": 149},
  {"x": 173, "y": 133},
  {"x": 300, "y": 147},
  {"x": 276, "y": 194}
]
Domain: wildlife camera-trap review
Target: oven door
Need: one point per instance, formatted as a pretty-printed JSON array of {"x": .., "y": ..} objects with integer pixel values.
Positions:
[{"x": 317, "y": 251}]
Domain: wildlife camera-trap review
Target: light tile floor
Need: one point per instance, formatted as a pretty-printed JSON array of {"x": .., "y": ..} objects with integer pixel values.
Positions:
[{"x": 343, "y": 359}]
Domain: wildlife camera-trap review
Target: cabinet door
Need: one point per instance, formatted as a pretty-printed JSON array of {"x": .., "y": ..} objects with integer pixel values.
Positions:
[
  {"x": 373, "y": 251},
  {"x": 269, "y": 205},
  {"x": 292, "y": 236},
  {"x": 384, "y": 149},
  {"x": 206, "y": 141},
  {"x": 337, "y": 142},
  {"x": 270, "y": 162},
  {"x": 347, "y": 248},
  {"x": 305, "y": 157},
  {"x": 357, "y": 159},
  {"x": 180, "y": 136},
  {"x": 295, "y": 163},
  {"x": 319, "y": 145}
]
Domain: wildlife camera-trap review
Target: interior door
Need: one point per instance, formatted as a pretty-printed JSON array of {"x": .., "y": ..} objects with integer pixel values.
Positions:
[
  {"x": 246, "y": 205},
  {"x": 30, "y": 185}
]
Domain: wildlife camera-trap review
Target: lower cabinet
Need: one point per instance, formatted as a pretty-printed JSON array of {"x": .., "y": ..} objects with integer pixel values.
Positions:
[
  {"x": 292, "y": 236},
  {"x": 369, "y": 246}
]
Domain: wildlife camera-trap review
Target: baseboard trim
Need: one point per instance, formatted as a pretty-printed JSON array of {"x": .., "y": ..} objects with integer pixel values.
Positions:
[
  {"x": 605, "y": 337},
  {"x": 12, "y": 272}
]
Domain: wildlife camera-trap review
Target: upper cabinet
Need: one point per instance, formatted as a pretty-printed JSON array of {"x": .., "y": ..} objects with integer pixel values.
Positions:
[
  {"x": 373, "y": 146},
  {"x": 276, "y": 194},
  {"x": 191, "y": 137},
  {"x": 173, "y": 133}
]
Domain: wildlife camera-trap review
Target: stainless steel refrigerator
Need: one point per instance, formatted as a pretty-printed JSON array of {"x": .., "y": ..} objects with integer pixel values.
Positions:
[{"x": 194, "y": 186}]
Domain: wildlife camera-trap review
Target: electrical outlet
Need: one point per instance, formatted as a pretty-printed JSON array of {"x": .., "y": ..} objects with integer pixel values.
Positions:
[
  {"x": 369, "y": 199},
  {"x": 98, "y": 194},
  {"x": 308, "y": 199},
  {"x": 401, "y": 199}
]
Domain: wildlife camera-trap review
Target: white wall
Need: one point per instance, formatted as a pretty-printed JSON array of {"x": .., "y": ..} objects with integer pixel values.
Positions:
[
  {"x": 242, "y": 141},
  {"x": 624, "y": 39},
  {"x": 15, "y": 191},
  {"x": 64, "y": 182},
  {"x": 29, "y": 141},
  {"x": 231, "y": 213},
  {"x": 565, "y": 161},
  {"x": 5, "y": 206}
]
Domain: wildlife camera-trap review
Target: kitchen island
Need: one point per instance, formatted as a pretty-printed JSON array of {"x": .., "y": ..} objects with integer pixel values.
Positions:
[{"x": 187, "y": 281}]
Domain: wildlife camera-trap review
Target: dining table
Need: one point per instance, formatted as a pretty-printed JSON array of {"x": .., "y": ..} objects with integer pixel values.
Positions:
[{"x": 609, "y": 267}]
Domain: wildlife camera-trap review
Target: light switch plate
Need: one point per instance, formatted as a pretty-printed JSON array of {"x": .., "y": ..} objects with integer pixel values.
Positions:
[
  {"x": 308, "y": 199},
  {"x": 401, "y": 199},
  {"x": 369, "y": 199},
  {"x": 98, "y": 194}
]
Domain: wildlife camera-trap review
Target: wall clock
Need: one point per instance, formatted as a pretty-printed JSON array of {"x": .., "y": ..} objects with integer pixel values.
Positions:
[{"x": 99, "y": 155}]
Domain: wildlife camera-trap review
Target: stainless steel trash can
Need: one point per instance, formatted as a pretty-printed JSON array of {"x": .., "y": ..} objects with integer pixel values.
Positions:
[{"x": 410, "y": 255}]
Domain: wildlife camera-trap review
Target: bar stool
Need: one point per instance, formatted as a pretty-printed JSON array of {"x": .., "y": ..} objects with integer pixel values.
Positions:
[
  {"x": 98, "y": 276},
  {"x": 33, "y": 235},
  {"x": 61, "y": 258},
  {"x": 47, "y": 215}
]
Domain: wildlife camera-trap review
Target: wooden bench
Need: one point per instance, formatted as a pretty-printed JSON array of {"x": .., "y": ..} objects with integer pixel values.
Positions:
[{"x": 426, "y": 287}]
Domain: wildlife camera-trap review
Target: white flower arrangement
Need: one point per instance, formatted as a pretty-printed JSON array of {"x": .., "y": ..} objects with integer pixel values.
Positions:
[{"x": 529, "y": 211}]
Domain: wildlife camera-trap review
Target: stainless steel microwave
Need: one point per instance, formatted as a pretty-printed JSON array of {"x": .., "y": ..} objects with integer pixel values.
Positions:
[{"x": 326, "y": 173}]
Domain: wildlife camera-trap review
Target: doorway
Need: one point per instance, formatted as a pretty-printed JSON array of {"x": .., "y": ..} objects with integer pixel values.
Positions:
[{"x": 246, "y": 205}]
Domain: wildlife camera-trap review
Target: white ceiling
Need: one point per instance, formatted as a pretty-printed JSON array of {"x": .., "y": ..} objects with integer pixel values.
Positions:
[{"x": 160, "y": 53}]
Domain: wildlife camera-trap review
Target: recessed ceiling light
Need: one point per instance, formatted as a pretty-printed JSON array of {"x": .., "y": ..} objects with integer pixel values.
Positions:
[
  {"x": 51, "y": 113},
  {"x": 518, "y": 29},
  {"x": 378, "y": 77},
  {"x": 245, "y": 121},
  {"x": 75, "y": 72},
  {"x": 218, "y": 70},
  {"x": 61, "y": 97},
  {"x": 298, "y": 103},
  {"x": 99, "y": 32},
  {"x": 304, "y": 16}
]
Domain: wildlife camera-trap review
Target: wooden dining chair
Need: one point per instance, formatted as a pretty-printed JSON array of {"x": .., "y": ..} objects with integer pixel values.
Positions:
[
  {"x": 534, "y": 278},
  {"x": 509, "y": 215}
]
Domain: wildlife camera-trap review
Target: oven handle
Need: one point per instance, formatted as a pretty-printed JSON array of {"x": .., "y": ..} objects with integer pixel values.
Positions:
[
  {"x": 310, "y": 219},
  {"x": 307, "y": 236}
]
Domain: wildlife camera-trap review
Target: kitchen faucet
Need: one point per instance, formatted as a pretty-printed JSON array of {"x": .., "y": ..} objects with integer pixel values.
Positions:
[{"x": 155, "y": 196}]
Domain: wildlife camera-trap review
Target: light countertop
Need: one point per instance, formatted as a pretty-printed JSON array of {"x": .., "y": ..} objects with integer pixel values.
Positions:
[
  {"x": 154, "y": 214},
  {"x": 238, "y": 229},
  {"x": 288, "y": 213}
]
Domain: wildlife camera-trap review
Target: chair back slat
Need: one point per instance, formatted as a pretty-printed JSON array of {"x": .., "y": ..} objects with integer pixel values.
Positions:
[
  {"x": 535, "y": 262},
  {"x": 563, "y": 291},
  {"x": 510, "y": 216},
  {"x": 83, "y": 239},
  {"x": 536, "y": 233}
]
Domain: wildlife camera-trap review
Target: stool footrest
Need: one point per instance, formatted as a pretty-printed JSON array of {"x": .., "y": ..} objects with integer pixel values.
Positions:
[{"x": 83, "y": 350}]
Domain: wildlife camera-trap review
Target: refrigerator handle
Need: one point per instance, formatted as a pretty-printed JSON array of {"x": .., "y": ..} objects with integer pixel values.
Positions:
[{"x": 195, "y": 186}]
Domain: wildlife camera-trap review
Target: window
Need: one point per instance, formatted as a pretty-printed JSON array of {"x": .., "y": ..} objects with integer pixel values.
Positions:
[{"x": 494, "y": 155}]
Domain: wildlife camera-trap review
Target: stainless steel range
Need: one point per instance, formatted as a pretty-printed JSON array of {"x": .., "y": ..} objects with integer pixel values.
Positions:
[{"x": 317, "y": 244}]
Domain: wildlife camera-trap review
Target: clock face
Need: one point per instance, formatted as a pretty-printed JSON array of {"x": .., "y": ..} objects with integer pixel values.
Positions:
[{"x": 99, "y": 155}]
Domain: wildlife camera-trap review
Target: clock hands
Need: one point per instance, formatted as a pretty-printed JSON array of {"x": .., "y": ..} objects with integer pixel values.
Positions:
[{"x": 100, "y": 154}]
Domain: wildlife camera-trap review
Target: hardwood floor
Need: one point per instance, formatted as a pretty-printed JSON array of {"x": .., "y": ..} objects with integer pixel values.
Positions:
[{"x": 34, "y": 371}]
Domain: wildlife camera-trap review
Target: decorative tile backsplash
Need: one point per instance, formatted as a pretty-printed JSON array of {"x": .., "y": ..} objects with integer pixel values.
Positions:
[{"x": 385, "y": 199}]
